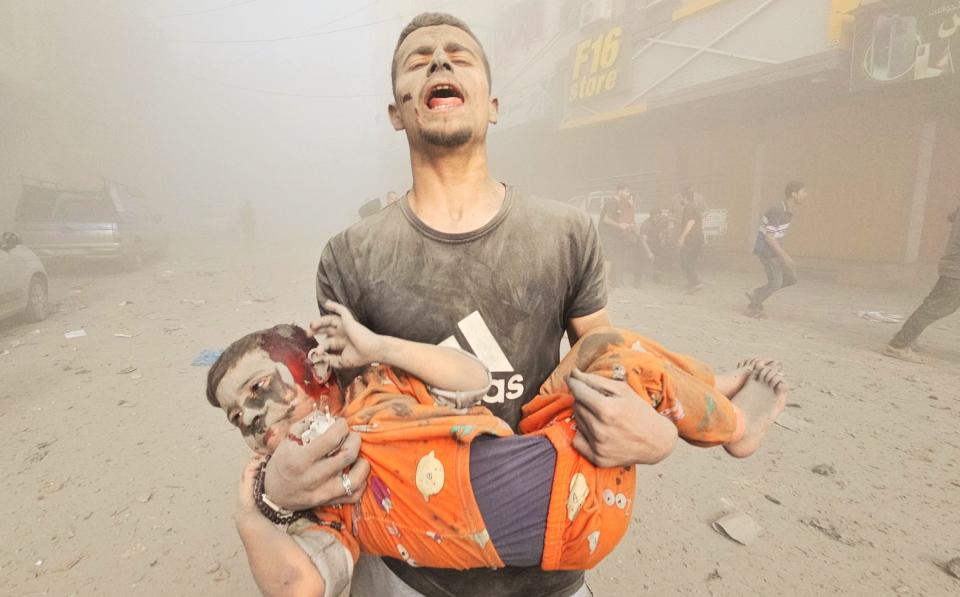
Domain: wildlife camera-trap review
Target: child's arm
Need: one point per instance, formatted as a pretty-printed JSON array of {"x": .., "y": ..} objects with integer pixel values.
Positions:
[
  {"x": 350, "y": 344},
  {"x": 278, "y": 564}
]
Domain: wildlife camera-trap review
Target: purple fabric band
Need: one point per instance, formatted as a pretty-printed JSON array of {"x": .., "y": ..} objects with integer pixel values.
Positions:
[{"x": 512, "y": 478}]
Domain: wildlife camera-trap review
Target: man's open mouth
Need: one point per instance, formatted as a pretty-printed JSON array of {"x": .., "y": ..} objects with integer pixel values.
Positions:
[{"x": 444, "y": 96}]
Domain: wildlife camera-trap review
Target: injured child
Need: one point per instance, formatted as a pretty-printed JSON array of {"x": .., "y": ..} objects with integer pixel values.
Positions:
[{"x": 442, "y": 466}]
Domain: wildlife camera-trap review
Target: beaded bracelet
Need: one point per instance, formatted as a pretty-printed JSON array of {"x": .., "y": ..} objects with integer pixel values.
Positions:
[{"x": 273, "y": 512}]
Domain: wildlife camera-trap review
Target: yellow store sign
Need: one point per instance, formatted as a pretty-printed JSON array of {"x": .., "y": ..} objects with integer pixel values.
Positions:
[{"x": 595, "y": 66}]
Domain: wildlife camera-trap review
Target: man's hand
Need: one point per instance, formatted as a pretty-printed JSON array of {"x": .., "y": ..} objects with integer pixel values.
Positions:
[
  {"x": 615, "y": 427},
  {"x": 348, "y": 342},
  {"x": 301, "y": 477}
]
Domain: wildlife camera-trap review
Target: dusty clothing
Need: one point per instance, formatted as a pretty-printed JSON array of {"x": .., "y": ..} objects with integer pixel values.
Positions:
[
  {"x": 695, "y": 236},
  {"x": 615, "y": 240},
  {"x": 503, "y": 292},
  {"x": 776, "y": 222},
  {"x": 942, "y": 301},
  {"x": 421, "y": 505},
  {"x": 950, "y": 262},
  {"x": 778, "y": 276}
]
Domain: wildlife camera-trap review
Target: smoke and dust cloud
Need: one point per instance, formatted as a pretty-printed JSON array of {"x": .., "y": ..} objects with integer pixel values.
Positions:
[{"x": 758, "y": 178}]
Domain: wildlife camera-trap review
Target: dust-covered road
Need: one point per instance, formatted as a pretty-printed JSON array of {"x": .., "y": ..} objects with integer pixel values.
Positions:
[{"x": 120, "y": 478}]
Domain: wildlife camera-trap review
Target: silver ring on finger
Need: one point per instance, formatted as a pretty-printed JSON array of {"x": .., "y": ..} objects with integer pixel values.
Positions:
[{"x": 347, "y": 484}]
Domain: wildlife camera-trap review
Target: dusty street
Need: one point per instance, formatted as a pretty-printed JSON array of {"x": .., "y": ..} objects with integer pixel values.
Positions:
[{"x": 121, "y": 479}]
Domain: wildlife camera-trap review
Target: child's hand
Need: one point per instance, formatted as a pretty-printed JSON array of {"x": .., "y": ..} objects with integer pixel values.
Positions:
[
  {"x": 246, "y": 501},
  {"x": 348, "y": 343}
]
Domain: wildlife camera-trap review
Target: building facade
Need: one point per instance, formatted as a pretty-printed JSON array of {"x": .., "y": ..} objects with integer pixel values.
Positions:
[{"x": 737, "y": 97}]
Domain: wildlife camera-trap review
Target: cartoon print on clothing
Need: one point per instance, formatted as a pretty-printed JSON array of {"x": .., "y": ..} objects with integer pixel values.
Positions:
[
  {"x": 405, "y": 555},
  {"x": 458, "y": 431},
  {"x": 621, "y": 501},
  {"x": 482, "y": 538},
  {"x": 381, "y": 492},
  {"x": 592, "y": 540},
  {"x": 608, "y": 497},
  {"x": 430, "y": 476},
  {"x": 674, "y": 413},
  {"x": 619, "y": 372},
  {"x": 578, "y": 494}
]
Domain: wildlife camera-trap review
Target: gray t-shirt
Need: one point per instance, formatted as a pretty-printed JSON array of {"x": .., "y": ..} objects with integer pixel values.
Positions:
[{"x": 503, "y": 292}]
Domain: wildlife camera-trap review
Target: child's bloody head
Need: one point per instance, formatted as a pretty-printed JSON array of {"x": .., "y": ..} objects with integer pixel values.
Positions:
[{"x": 265, "y": 382}]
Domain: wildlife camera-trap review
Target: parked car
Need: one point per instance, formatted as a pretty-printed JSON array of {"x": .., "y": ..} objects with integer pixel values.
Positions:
[
  {"x": 114, "y": 222},
  {"x": 23, "y": 280}
]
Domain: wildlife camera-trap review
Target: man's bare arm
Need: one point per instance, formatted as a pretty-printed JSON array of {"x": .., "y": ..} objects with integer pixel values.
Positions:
[
  {"x": 615, "y": 432},
  {"x": 578, "y": 326},
  {"x": 774, "y": 244},
  {"x": 646, "y": 246},
  {"x": 686, "y": 232}
]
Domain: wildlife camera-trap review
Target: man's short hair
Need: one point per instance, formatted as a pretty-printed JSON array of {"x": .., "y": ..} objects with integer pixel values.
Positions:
[
  {"x": 794, "y": 186},
  {"x": 434, "y": 19}
]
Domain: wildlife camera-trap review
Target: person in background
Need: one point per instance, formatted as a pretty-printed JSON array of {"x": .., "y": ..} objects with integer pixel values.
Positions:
[
  {"x": 690, "y": 190},
  {"x": 777, "y": 263},
  {"x": 942, "y": 301},
  {"x": 654, "y": 242},
  {"x": 617, "y": 224},
  {"x": 691, "y": 240}
]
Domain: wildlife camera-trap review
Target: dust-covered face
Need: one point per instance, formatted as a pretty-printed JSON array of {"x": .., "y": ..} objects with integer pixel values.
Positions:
[
  {"x": 800, "y": 196},
  {"x": 442, "y": 90},
  {"x": 262, "y": 399}
]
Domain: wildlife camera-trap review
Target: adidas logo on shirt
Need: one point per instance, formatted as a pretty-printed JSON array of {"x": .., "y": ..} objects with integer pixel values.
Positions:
[{"x": 479, "y": 340}]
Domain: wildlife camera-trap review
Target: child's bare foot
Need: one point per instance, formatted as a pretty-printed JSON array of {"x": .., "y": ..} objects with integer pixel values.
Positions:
[
  {"x": 760, "y": 401},
  {"x": 730, "y": 383}
]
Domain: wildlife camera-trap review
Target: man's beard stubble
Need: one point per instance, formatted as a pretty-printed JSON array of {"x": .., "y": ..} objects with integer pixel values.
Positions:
[{"x": 448, "y": 140}]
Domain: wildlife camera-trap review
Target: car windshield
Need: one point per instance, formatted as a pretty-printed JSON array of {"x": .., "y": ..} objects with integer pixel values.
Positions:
[{"x": 81, "y": 209}]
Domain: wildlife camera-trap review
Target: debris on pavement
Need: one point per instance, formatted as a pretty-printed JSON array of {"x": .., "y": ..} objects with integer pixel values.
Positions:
[
  {"x": 206, "y": 358},
  {"x": 830, "y": 530},
  {"x": 75, "y": 334},
  {"x": 126, "y": 370},
  {"x": 880, "y": 316},
  {"x": 739, "y": 527},
  {"x": 789, "y": 422},
  {"x": 825, "y": 470},
  {"x": 952, "y": 567}
]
